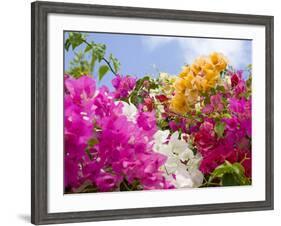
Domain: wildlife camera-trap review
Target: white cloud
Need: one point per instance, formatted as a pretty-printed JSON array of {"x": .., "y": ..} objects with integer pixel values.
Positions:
[
  {"x": 153, "y": 42},
  {"x": 236, "y": 51}
]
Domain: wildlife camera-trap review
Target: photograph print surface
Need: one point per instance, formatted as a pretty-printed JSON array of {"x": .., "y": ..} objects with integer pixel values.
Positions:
[{"x": 147, "y": 112}]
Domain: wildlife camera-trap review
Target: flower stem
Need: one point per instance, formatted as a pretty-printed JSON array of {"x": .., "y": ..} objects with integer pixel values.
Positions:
[
  {"x": 126, "y": 186},
  {"x": 109, "y": 65}
]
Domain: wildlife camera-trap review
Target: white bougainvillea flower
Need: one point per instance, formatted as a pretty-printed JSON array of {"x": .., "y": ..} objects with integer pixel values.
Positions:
[
  {"x": 197, "y": 177},
  {"x": 187, "y": 178},
  {"x": 194, "y": 162},
  {"x": 176, "y": 145},
  {"x": 186, "y": 155},
  {"x": 172, "y": 164},
  {"x": 163, "y": 75},
  {"x": 182, "y": 165},
  {"x": 130, "y": 111},
  {"x": 160, "y": 138},
  {"x": 183, "y": 178}
]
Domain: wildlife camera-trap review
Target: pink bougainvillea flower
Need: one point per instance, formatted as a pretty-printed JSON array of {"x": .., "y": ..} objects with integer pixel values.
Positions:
[
  {"x": 205, "y": 138},
  {"x": 179, "y": 125},
  {"x": 235, "y": 143},
  {"x": 80, "y": 89},
  {"x": 147, "y": 121},
  {"x": 216, "y": 102},
  {"x": 107, "y": 181},
  {"x": 215, "y": 105},
  {"x": 104, "y": 146},
  {"x": 123, "y": 85},
  {"x": 238, "y": 83}
]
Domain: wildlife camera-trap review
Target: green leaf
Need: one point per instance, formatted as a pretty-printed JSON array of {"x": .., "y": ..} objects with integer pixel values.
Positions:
[
  {"x": 230, "y": 174},
  {"x": 141, "y": 81},
  {"x": 162, "y": 124},
  {"x": 221, "y": 88},
  {"x": 134, "y": 96},
  {"x": 92, "y": 142},
  {"x": 207, "y": 100},
  {"x": 88, "y": 48},
  {"x": 238, "y": 168},
  {"x": 226, "y": 115},
  {"x": 229, "y": 179},
  {"x": 102, "y": 71},
  {"x": 116, "y": 63},
  {"x": 219, "y": 129},
  {"x": 79, "y": 65},
  {"x": 99, "y": 50},
  {"x": 221, "y": 170},
  {"x": 74, "y": 39},
  {"x": 93, "y": 61},
  {"x": 67, "y": 44}
]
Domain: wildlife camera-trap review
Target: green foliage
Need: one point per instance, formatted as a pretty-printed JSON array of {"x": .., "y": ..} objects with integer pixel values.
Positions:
[
  {"x": 219, "y": 129},
  {"x": 163, "y": 124},
  {"x": 79, "y": 66},
  {"x": 207, "y": 99},
  {"x": 92, "y": 142},
  {"x": 230, "y": 174},
  {"x": 220, "y": 88},
  {"x": 74, "y": 40},
  {"x": 86, "y": 187},
  {"x": 102, "y": 71},
  {"x": 249, "y": 86},
  {"x": 134, "y": 96},
  {"x": 249, "y": 67},
  {"x": 114, "y": 60},
  {"x": 226, "y": 115},
  {"x": 98, "y": 50},
  {"x": 126, "y": 186},
  {"x": 229, "y": 179},
  {"x": 95, "y": 51},
  {"x": 223, "y": 73}
]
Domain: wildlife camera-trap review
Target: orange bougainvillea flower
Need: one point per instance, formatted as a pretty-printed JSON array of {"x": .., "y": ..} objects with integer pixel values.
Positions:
[
  {"x": 219, "y": 61},
  {"x": 178, "y": 103},
  {"x": 196, "y": 78}
]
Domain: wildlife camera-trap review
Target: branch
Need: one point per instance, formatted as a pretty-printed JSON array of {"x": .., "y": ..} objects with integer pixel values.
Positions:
[{"x": 109, "y": 65}]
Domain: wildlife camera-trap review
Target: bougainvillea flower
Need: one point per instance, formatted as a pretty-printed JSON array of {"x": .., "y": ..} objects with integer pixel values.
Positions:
[
  {"x": 202, "y": 75},
  {"x": 107, "y": 142},
  {"x": 163, "y": 133},
  {"x": 123, "y": 85},
  {"x": 181, "y": 165}
]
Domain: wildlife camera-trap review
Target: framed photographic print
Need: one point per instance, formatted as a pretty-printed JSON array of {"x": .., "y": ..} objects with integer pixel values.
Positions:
[{"x": 140, "y": 112}]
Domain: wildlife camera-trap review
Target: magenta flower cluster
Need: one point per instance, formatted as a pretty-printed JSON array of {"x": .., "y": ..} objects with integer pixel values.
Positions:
[
  {"x": 123, "y": 85},
  {"x": 231, "y": 112},
  {"x": 102, "y": 147}
]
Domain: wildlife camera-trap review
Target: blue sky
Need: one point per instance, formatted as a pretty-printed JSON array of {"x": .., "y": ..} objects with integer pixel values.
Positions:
[{"x": 141, "y": 54}]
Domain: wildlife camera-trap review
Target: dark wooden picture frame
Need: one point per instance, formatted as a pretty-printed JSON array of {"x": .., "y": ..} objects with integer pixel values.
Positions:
[{"x": 39, "y": 97}]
